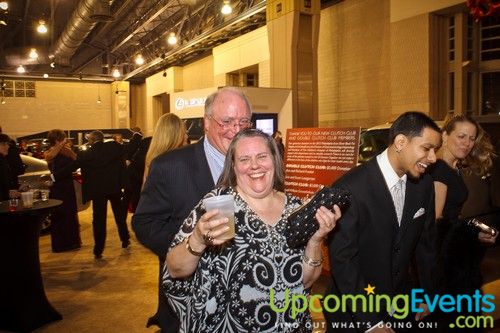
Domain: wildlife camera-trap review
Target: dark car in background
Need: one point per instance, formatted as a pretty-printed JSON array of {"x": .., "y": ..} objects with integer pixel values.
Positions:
[
  {"x": 375, "y": 140},
  {"x": 37, "y": 147}
]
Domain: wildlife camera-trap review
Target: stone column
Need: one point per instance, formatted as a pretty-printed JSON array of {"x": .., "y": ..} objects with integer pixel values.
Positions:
[{"x": 293, "y": 30}]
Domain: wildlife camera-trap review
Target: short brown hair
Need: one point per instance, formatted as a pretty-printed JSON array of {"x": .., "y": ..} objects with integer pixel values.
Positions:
[{"x": 55, "y": 135}]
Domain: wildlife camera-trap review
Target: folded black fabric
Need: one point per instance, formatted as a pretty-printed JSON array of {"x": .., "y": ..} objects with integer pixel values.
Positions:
[{"x": 302, "y": 223}]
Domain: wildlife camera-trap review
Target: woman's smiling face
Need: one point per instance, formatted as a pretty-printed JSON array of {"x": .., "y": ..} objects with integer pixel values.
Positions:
[{"x": 254, "y": 167}]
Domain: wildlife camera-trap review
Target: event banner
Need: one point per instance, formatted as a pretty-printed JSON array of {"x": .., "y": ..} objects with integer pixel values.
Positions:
[{"x": 318, "y": 156}]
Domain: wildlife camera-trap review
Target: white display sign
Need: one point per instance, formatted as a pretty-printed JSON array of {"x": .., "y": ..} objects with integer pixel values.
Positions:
[{"x": 183, "y": 103}]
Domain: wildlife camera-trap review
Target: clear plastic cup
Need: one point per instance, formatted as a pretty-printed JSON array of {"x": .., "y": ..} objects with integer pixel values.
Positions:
[
  {"x": 44, "y": 195},
  {"x": 27, "y": 198},
  {"x": 225, "y": 205}
]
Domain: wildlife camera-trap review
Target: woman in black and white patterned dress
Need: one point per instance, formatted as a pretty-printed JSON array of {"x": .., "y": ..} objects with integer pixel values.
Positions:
[{"x": 219, "y": 286}]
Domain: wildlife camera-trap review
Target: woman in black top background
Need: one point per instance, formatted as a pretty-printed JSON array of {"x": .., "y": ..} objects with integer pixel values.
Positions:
[{"x": 465, "y": 148}]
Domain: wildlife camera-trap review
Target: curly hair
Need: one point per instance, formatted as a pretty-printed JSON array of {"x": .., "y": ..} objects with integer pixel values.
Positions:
[{"x": 480, "y": 159}]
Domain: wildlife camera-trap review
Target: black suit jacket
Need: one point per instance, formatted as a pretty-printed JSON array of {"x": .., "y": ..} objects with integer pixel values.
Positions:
[
  {"x": 176, "y": 182},
  {"x": 368, "y": 246},
  {"x": 133, "y": 145},
  {"x": 103, "y": 169}
]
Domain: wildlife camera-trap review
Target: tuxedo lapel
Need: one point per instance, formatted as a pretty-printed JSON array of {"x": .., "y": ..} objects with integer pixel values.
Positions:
[
  {"x": 202, "y": 175},
  {"x": 382, "y": 198},
  {"x": 412, "y": 201}
]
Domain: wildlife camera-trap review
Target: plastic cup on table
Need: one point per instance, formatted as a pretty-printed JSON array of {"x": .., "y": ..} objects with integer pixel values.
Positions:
[{"x": 27, "y": 198}]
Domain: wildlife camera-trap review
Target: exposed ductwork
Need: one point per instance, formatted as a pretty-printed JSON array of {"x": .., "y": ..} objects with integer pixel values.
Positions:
[{"x": 79, "y": 26}]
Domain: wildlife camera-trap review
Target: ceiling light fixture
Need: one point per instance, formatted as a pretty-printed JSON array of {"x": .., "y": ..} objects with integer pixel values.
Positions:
[
  {"x": 139, "y": 60},
  {"x": 116, "y": 73},
  {"x": 226, "y": 8},
  {"x": 52, "y": 64},
  {"x": 172, "y": 39},
  {"x": 45, "y": 76},
  {"x": 33, "y": 54},
  {"x": 21, "y": 69},
  {"x": 41, "y": 27},
  {"x": 4, "y": 5},
  {"x": 2, "y": 22}
]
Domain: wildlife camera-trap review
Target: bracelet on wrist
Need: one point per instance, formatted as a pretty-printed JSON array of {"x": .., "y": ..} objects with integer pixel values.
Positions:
[
  {"x": 190, "y": 249},
  {"x": 310, "y": 262}
]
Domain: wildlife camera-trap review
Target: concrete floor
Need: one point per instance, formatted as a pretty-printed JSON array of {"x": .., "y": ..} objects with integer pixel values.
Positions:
[
  {"x": 115, "y": 294},
  {"x": 119, "y": 292}
]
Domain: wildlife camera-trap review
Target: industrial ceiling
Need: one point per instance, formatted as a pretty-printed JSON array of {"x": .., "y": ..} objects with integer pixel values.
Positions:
[{"x": 89, "y": 39}]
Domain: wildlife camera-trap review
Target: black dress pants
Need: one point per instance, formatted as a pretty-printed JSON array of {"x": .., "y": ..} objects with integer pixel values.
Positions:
[{"x": 99, "y": 207}]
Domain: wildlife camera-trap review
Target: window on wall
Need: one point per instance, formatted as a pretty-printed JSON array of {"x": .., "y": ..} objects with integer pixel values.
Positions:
[{"x": 473, "y": 72}]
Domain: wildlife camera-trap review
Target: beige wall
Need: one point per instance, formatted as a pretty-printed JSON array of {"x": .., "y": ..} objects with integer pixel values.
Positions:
[
  {"x": 199, "y": 74},
  {"x": 354, "y": 64},
  {"x": 58, "y": 104},
  {"x": 244, "y": 51},
  {"x": 404, "y": 9},
  {"x": 410, "y": 65}
]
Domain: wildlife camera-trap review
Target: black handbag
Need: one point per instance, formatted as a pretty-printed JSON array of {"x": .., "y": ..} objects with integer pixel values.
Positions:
[{"x": 302, "y": 223}]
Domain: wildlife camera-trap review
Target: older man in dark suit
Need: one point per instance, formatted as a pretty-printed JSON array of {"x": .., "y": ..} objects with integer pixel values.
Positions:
[
  {"x": 390, "y": 220},
  {"x": 103, "y": 168},
  {"x": 178, "y": 179}
]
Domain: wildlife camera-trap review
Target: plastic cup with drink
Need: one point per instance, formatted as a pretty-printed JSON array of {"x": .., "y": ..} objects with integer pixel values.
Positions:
[
  {"x": 225, "y": 205},
  {"x": 27, "y": 198}
]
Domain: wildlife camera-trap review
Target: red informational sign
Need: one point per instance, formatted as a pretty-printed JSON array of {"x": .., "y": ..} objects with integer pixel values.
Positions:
[{"x": 318, "y": 156}]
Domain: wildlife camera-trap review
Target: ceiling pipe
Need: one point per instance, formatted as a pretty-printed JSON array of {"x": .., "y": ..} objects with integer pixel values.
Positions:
[{"x": 77, "y": 29}]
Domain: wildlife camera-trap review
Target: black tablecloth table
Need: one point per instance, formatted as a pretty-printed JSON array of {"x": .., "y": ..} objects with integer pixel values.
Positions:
[{"x": 23, "y": 303}]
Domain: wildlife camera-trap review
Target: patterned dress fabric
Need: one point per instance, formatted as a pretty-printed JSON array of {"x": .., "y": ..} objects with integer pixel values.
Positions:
[{"x": 230, "y": 290}]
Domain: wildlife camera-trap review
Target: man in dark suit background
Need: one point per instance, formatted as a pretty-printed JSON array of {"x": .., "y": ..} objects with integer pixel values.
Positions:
[
  {"x": 178, "y": 179},
  {"x": 14, "y": 161},
  {"x": 383, "y": 230},
  {"x": 133, "y": 174},
  {"x": 103, "y": 168}
]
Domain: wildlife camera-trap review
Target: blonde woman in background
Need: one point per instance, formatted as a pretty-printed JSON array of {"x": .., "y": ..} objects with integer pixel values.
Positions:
[
  {"x": 466, "y": 148},
  {"x": 170, "y": 133}
]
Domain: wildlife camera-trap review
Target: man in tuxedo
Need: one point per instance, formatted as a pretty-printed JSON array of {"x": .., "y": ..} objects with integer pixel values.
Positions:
[
  {"x": 133, "y": 174},
  {"x": 178, "y": 179},
  {"x": 103, "y": 168},
  {"x": 390, "y": 222}
]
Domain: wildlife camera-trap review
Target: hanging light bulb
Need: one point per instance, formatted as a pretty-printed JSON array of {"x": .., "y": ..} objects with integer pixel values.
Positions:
[
  {"x": 21, "y": 69},
  {"x": 52, "y": 64},
  {"x": 116, "y": 73},
  {"x": 4, "y": 5},
  {"x": 139, "y": 60},
  {"x": 41, "y": 27},
  {"x": 226, "y": 8},
  {"x": 33, "y": 54},
  {"x": 172, "y": 39}
]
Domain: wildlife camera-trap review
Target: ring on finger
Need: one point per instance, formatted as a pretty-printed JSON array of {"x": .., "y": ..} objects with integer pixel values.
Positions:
[{"x": 207, "y": 238}]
